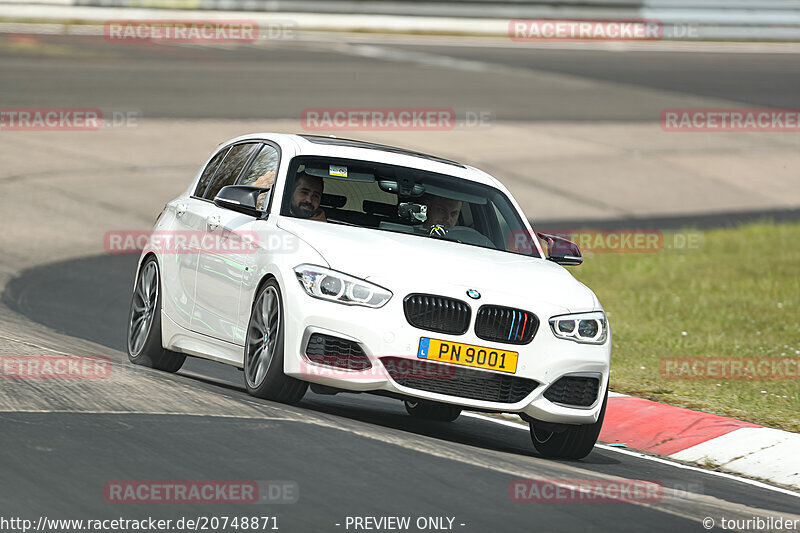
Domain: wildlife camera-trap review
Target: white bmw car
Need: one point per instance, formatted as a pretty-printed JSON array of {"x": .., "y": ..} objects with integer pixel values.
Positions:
[{"x": 352, "y": 266}]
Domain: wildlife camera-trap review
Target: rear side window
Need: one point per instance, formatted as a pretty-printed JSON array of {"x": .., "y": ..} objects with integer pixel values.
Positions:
[
  {"x": 208, "y": 173},
  {"x": 231, "y": 167}
]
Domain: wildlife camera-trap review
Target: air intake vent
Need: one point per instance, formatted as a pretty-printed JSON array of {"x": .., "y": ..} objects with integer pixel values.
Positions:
[
  {"x": 459, "y": 382},
  {"x": 336, "y": 352},
  {"x": 505, "y": 324},
  {"x": 437, "y": 313},
  {"x": 574, "y": 390}
]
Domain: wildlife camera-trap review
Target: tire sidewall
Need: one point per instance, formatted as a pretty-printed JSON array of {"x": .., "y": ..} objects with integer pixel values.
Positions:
[{"x": 574, "y": 443}]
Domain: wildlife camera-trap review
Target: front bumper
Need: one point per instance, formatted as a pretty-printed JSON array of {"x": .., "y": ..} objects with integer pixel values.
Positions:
[{"x": 384, "y": 335}]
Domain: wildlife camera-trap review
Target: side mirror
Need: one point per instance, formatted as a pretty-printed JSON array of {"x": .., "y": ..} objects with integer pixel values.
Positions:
[
  {"x": 561, "y": 251},
  {"x": 240, "y": 198}
]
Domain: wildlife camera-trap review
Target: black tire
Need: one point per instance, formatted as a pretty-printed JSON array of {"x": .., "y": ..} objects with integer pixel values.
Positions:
[
  {"x": 263, "y": 350},
  {"x": 144, "y": 323},
  {"x": 440, "y": 412},
  {"x": 576, "y": 442}
]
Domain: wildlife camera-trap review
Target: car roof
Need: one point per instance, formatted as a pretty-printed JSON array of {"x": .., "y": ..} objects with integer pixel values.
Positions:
[
  {"x": 352, "y": 143},
  {"x": 330, "y": 146}
]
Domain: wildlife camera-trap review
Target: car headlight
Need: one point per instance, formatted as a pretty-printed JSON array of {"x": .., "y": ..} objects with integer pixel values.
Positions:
[
  {"x": 590, "y": 328},
  {"x": 338, "y": 287}
]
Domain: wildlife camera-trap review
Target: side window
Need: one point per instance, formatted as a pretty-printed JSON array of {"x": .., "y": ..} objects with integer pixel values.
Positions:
[
  {"x": 208, "y": 173},
  {"x": 262, "y": 172},
  {"x": 230, "y": 168}
]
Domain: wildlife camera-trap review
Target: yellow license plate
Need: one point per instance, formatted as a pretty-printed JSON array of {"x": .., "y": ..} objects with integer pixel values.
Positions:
[{"x": 467, "y": 355}]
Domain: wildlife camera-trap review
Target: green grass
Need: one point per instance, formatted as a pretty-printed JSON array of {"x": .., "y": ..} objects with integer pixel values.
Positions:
[{"x": 738, "y": 296}]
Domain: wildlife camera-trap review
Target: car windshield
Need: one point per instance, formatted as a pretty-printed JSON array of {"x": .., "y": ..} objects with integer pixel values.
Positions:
[{"x": 405, "y": 200}]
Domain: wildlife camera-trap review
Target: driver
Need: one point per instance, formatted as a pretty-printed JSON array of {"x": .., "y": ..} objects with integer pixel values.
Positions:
[{"x": 306, "y": 197}]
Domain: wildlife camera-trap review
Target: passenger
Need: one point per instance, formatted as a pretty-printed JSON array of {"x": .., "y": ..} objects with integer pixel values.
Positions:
[{"x": 441, "y": 211}]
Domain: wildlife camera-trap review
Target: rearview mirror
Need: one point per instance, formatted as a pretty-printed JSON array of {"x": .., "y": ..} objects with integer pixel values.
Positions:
[
  {"x": 240, "y": 198},
  {"x": 561, "y": 251},
  {"x": 403, "y": 187}
]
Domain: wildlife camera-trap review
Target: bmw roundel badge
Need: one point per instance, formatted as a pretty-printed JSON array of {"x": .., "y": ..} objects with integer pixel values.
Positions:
[{"x": 472, "y": 293}]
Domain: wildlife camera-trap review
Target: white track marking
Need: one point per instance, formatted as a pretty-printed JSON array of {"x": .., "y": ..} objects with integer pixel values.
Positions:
[
  {"x": 32, "y": 345},
  {"x": 653, "y": 458}
]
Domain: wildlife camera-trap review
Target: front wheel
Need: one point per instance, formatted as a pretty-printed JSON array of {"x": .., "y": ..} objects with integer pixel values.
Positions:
[
  {"x": 576, "y": 442},
  {"x": 441, "y": 412},
  {"x": 263, "y": 355},
  {"x": 144, "y": 323}
]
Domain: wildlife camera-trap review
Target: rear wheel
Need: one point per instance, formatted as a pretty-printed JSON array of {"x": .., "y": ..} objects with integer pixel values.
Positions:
[
  {"x": 576, "y": 442},
  {"x": 144, "y": 323},
  {"x": 263, "y": 355},
  {"x": 441, "y": 412}
]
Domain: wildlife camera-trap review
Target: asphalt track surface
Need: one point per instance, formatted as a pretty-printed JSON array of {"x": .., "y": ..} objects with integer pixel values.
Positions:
[
  {"x": 280, "y": 78},
  {"x": 350, "y": 455}
]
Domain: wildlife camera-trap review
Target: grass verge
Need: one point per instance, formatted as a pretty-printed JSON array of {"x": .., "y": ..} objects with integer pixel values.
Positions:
[{"x": 736, "y": 296}]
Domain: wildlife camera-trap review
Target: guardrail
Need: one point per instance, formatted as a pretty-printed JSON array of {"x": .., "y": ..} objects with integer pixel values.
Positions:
[{"x": 711, "y": 19}]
